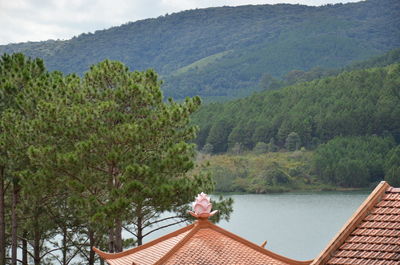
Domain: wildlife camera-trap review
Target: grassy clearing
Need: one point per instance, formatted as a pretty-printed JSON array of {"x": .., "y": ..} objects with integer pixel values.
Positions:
[
  {"x": 199, "y": 64},
  {"x": 264, "y": 173}
]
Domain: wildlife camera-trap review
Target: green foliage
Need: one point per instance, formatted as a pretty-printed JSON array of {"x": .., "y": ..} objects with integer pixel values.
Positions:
[
  {"x": 120, "y": 138},
  {"x": 17, "y": 72},
  {"x": 260, "y": 148},
  {"x": 237, "y": 149},
  {"x": 224, "y": 179},
  {"x": 272, "y": 147},
  {"x": 268, "y": 82},
  {"x": 42, "y": 197},
  {"x": 94, "y": 153},
  {"x": 362, "y": 102},
  {"x": 388, "y": 58},
  {"x": 352, "y": 161},
  {"x": 276, "y": 176},
  {"x": 297, "y": 76},
  {"x": 218, "y": 136},
  {"x": 392, "y": 167},
  {"x": 222, "y": 53},
  {"x": 293, "y": 141},
  {"x": 207, "y": 149},
  {"x": 265, "y": 173}
]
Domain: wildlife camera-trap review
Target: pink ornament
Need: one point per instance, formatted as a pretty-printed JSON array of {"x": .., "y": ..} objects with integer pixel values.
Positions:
[{"x": 202, "y": 206}]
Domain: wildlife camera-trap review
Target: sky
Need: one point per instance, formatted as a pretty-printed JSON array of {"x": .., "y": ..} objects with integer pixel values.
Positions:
[{"x": 38, "y": 20}]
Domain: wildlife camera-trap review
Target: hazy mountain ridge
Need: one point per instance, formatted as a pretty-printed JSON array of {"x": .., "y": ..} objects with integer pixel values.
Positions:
[{"x": 261, "y": 39}]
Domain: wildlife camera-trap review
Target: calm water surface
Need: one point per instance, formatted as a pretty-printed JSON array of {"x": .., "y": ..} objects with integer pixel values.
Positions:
[{"x": 296, "y": 225}]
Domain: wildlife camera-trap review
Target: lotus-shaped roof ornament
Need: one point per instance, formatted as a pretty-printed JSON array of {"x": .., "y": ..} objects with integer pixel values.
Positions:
[{"x": 202, "y": 207}]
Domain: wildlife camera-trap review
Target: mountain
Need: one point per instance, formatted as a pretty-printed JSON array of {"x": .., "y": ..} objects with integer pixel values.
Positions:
[
  {"x": 223, "y": 52},
  {"x": 355, "y": 103},
  {"x": 386, "y": 59},
  {"x": 268, "y": 82}
]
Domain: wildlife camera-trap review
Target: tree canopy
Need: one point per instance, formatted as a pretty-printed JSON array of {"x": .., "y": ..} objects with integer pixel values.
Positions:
[
  {"x": 361, "y": 102},
  {"x": 354, "y": 161},
  {"x": 102, "y": 153}
]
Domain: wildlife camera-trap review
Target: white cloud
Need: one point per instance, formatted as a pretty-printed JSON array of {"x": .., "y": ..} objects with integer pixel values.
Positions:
[{"x": 35, "y": 20}]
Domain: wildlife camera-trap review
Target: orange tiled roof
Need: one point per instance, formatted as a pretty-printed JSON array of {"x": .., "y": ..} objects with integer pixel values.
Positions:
[
  {"x": 372, "y": 235},
  {"x": 146, "y": 254},
  {"x": 199, "y": 244}
]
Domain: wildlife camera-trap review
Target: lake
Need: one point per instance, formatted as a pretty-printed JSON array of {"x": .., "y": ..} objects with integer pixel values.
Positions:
[{"x": 296, "y": 225}]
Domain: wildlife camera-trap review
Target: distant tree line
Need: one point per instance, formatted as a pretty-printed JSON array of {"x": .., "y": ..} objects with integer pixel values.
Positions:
[
  {"x": 351, "y": 120},
  {"x": 343, "y": 162},
  {"x": 362, "y": 102},
  {"x": 358, "y": 161}
]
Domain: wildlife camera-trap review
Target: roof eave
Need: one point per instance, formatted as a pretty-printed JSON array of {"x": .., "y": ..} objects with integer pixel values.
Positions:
[
  {"x": 108, "y": 256},
  {"x": 352, "y": 223}
]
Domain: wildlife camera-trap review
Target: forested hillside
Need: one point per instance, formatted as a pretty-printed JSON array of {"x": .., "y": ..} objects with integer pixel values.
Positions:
[
  {"x": 224, "y": 52},
  {"x": 356, "y": 103},
  {"x": 268, "y": 82},
  {"x": 386, "y": 59}
]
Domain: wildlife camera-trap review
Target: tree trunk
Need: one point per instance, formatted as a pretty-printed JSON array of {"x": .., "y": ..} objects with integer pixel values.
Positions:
[
  {"x": 91, "y": 253},
  {"x": 139, "y": 230},
  {"x": 118, "y": 235},
  {"x": 2, "y": 218},
  {"x": 64, "y": 245},
  {"x": 36, "y": 247},
  {"x": 24, "y": 248},
  {"x": 111, "y": 245},
  {"x": 111, "y": 242},
  {"x": 14, "y": 224}
]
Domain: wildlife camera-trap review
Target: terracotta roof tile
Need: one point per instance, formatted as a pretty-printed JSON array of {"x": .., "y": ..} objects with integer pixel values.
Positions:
[
  {"x": 372, "y": 235},
  {"x": 202, "y": 243},
  {"x": 394, "y": 190},
  {"x": 208, "y": 246},
  {"x": 148, "y": 255}
]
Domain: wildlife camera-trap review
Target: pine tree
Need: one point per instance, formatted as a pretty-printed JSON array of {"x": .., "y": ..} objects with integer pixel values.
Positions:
[
  {"x": 218, "y": 136},
  {"x": 272, "y": 147},
  {"x": 392, "y": 167},
  {"x": 122, "y": 151},
  {"x": 260, "y": 148},
  {"x": 207, "y": 149},
  {"x": 237, "y": 149},
  {"x": 86, "y": 156},
  {"x": 293, "y": 141},
  {"x": 16, "y": 73}
]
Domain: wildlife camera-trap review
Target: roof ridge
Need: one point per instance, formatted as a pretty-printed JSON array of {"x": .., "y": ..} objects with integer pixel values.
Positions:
[
  {"x": 353, "y": 223},
  {"x": 181, "y": 242},
  {"x": 257, "y": 247},
  {"x": 204, "y": 224},
  {"x": 106, "y": 255}
]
